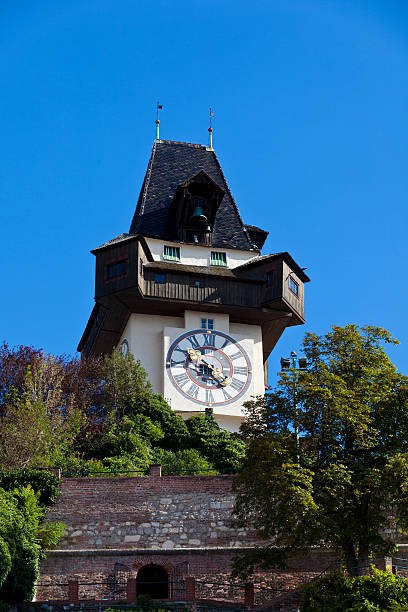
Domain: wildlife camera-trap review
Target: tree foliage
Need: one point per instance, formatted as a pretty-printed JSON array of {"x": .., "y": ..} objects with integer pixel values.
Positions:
[
  {"x": 98, "y": 415},
  {"x": 37, "y": 426},
  {"x": 343, "y": 480},
  {"x": 23, "y": 536},
  {"x": 377, "y": 592}
]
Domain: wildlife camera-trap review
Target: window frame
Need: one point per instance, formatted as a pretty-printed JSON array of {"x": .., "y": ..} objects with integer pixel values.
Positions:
[
  {"x": 213, "y": 261},
  {"x": 292, "y": 280},
  {"x": 207, "y": 324},
  {"x": 114, "y": 262},
  {"x": 171, "y": 258}
]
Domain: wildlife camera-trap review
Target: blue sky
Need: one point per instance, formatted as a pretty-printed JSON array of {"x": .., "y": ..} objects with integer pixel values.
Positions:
[{"x": 310, "y": 100}]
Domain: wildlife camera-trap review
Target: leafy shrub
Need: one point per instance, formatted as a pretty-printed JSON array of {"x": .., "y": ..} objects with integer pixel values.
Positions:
[
  {"x": 378, "y": 591},
  {"x": 20, "y": 549},
  {"x": 42, "y": 481},
  {"x": 222, "y": 448},
  {"x": 187, "y": 459},
  {"x": 173, "y": 425}
]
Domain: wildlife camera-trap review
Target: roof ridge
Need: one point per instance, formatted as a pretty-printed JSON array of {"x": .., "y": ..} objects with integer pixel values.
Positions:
[
  {"x": 143, "y": 190},
  {"x": 148, "y": 174},
  {"x": 187, "y": 144},
  {"x": 232, "y": 199}
]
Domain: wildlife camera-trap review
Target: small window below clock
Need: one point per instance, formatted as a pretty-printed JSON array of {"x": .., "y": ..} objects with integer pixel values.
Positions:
[
  {"x": 218, "y": 258},
  {"x": 171, "y": 253},
  {"x": 294, "y": 286},
  {"x": 160, "y": 278},
  {"x": 116, "y": 269},
  {"x": 207, "y": 323}
]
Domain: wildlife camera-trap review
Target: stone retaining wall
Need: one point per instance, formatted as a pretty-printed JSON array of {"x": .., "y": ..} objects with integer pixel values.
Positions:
[{"x": 148, "y": 512}]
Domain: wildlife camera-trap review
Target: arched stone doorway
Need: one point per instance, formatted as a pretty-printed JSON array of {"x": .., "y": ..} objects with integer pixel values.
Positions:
[{"x": 153, "y": 580}]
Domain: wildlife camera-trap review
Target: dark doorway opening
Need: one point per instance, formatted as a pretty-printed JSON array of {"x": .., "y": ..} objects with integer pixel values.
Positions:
[{"x": 153, "y": 580}]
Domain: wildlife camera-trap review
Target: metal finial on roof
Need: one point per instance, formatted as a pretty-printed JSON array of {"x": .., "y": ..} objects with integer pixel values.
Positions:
[
  {"x": 210, "y": 131},
  {"x": 159, "y": 107}
]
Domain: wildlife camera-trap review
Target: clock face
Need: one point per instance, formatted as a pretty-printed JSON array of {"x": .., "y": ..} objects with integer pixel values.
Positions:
[{"x": 208, "y": 367}]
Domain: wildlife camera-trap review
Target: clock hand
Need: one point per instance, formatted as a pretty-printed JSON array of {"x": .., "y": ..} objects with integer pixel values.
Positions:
[
  {"x": 197, "y": 358},
  {"x": 217, "y": 374}
]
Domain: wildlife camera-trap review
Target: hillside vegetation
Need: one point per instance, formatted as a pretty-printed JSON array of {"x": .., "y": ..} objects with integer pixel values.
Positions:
[{"x": 99, "y": 415}]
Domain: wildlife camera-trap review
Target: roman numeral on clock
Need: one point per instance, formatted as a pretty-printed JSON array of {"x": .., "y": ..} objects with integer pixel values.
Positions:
[
  {"x": 181, "y": 379},
  {"x": 193, "y": 341},
  {"x": 175, "y": 363},
  {"x": 226, "y": 342},
  {"x": 227, "y": 396},
  {"x": 192, "y": 391},
  {"x": 209, "y": 396},
  {"x": 180, "y": 350},
  {"x": 236, "y": 355},
  {"x": 209, "y": 340},
  {"x": 240, "y": 370},
  {"x": 237, "y": 384}
]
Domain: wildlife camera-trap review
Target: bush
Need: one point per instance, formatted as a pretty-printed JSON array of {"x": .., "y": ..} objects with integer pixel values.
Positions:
[
  {"x": 20, "y": 550},
  {"x": 188, "y": 459},
  {"x": 42, "y": 481},
  {"x": 222, "y": 448},
  {"x": 378, "y": 591}
]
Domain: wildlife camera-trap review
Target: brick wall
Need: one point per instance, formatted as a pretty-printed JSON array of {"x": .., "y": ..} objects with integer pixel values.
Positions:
[
  {"x": 183, "y": 523},
  {"x": 144, "y": 512}
]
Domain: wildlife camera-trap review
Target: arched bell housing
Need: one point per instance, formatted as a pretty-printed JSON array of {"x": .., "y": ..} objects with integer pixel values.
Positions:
[{"x": 192, "y": 212}]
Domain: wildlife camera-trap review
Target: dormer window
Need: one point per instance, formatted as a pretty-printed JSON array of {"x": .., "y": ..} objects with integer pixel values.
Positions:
[
  {"x": 218, "y": 258},
  {"x": 171, "y": 253},
  {"x": 191, "y": 215}
]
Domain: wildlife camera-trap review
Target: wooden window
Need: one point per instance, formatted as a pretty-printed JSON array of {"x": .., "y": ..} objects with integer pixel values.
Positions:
[
  {"x": 270, "y": 278},
  {"x": 116, "y": 269},
  {"x": 294, "y": 286},
  {"x": 207, "y": 323},
  {"x": 171, "y": 253},
  {"x": 160, "y": 279},
  {"x": 218, "y": 258}
]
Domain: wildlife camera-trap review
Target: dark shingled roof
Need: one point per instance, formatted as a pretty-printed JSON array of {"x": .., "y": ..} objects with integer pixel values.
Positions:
[
  {"x": 172, "y": 163},
  {"x": 285, "y": 255},
  {"x": 120, "y": 238}
]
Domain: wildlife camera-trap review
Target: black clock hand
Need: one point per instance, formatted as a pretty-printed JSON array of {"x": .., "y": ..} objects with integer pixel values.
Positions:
[{"x": 212, "y": 368}]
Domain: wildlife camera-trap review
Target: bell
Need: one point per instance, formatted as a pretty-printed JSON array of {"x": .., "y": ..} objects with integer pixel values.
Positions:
[{"x": 198, "y": 217}]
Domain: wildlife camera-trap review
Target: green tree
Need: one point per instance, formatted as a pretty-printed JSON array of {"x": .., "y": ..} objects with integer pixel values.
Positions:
[
  {"x": 222, "y": 448},
  {"x": 344, "y": 480},
  {"x": 126, "y": 388},
  {"x": 38, "y": 427}
]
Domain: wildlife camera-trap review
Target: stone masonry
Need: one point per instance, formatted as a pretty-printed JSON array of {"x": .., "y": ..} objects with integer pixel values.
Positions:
[
  {"x": 115, "y": 526},
  {"x": 150, "y": 513}
]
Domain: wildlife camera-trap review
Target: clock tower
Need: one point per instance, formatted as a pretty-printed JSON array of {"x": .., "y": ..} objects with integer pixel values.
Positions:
[{"x": 188, "y": 292}]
